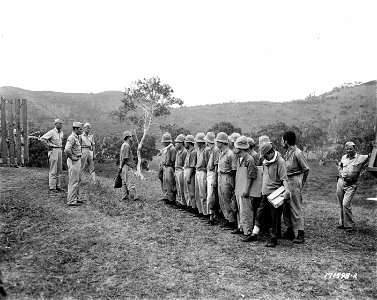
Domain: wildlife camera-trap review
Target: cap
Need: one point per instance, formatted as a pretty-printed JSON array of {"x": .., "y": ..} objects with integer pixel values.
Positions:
[
  {"x": 180, "y": 138},
  {"x": 189, "y": 139},
  {"x": 58, "y": 121},
  {"x": 87, "y": 125},
  {"x": 251, "y": 141},
  {"x": 126, "y": 134},
  {"x": 350, "y": 144},
  {"x": 222, "y": 137},
  {"x": 210, "y": 137},
  {"x": 166, "y": 138},
  {"x": 234, "y": 136},
  {"x": 241, "y": 143},
  {"x": 265, "y": 148},
  {"x": 263, "y": 139},
  {"x": 77, "y": 124}
]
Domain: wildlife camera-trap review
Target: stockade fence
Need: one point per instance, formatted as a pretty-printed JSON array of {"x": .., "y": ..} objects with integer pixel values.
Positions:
[{"x": 14, "y": 132}]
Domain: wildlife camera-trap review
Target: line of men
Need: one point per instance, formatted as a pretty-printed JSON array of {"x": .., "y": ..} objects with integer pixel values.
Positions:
[
  {"x": 80, "y": 150},
  {"x": 224, "y": 177}
]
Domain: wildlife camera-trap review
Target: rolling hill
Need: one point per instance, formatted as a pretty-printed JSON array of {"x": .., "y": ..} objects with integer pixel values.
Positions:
[{"x": 44, "y": 106}]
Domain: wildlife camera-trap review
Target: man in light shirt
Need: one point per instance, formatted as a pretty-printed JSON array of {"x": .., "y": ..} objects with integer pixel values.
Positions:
[{"x": 88, "y": 151}]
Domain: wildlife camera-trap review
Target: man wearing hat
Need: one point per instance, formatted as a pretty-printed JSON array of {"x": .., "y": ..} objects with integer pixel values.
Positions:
[
  {"x": 226, "y": 176},
  {"x": 179, "y": 173},
  {"x": 168, "y": 162},
  {"x": 252, "y": 152},
  {"x": 88, "y": 151},
  {"x": 246, "y": 172},
  {"x": 126, "y": 167},
  {"x": 212, "y": 193},
  {"x": 349, "y": 169},
  {"x": 232, "y": 139},
  {"x": 203, "y": 153},
  {"x": 189, "y": 172},
  {"x": 73, "y": 151},
  {"x": 53, "y": 140},
  {"x": 274, "y": 176}
]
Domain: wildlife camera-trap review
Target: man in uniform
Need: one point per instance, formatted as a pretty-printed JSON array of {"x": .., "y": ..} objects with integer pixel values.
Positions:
[
  {"x": 225, "y": 182},
  {"x": 297, "y": 172},
  {"x": 53, "y": 139},
  {"x": 189, "y": 173},
  {"x": 349, "y": 168},
  {"x": 73, "y": 151},
  {"x": 168, "y": 161},
  {"x": 232, "y": 139},
  {"x": 179, "y": 173},
  {"x": 251, "y": 150},
  {"x": 88, "y": 151},
  {"x": 126, "y": 167}
]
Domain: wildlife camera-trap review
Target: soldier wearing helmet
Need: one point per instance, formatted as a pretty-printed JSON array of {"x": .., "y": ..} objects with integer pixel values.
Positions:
[
  {"x": 126, "y": 167},
  {"x": 179, "y": 173},
  {"x": 168, "y": 163},
  {"x": 226, "y": 176},
  {"x": 232, "y": 139},
  {"x": 189, "y": 173}
]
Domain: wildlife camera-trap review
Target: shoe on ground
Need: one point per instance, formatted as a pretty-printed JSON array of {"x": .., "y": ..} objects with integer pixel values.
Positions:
[
  {"x": 236, "y": 231},
  {"x": 224, "y": 225},
  {"x": 349, "y": 229},
  {"x": 340, "y": 227},
  {"x": 80, "y": 201},
  {"x": 54, "y": 190},
  {"x": 272, "y": 242},
  {"x": 250, "y": 238},
  {"x": 60, "y": 190},
  {"x": 300, "y": 237},
  {"x": 74, "y": 204},
  {"x": 211, "y": 222},
  {"x": 289, "y": 234}
]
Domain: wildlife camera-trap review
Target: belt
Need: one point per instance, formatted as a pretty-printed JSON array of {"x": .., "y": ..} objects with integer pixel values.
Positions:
[
  {"x": 224, "y": 173},
  {"x": 204, "y": 170},
  {"x": 294, "y": 174},
  {"x": 86, "y": 147},
  {"x": 55, "y": 147},
  {"x": 349, "y": 181}
]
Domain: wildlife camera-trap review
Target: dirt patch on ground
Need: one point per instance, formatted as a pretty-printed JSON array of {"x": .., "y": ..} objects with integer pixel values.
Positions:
[{"x": 109, "y": 249}]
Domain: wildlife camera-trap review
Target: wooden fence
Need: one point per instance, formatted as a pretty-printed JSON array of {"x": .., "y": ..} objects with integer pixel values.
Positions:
[{"x": 14, "y": 132}]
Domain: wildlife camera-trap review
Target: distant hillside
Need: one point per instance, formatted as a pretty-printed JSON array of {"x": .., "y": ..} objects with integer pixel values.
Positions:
[{"x": 250, "y": 116}]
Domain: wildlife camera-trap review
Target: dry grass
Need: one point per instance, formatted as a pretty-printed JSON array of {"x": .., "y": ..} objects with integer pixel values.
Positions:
[{"x": 108, "y": 249}]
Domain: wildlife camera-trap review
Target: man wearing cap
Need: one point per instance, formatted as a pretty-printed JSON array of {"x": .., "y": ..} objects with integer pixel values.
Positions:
[
  {"x": 225, "y": 181},
  {"x": 246, "y": 173},
  {"x": 53, "y": 139},
  {"x": 179, "y": 173},
  {"x": 252, "y": 152},
  {"x": 349, "y": 169},
  {"x": 73, "y": 151},
  {"x": 88, "y": 151},
  {"x": 297, "y": 172},
  {"x": 127, "y": 164},
  {"x": 212, "y": 193},
  {"x": 203, "y": 153},
  {"x": 274, "y": 176},
  {"x": 168, "y": 162},
  {"x": 189, "y": 172}
]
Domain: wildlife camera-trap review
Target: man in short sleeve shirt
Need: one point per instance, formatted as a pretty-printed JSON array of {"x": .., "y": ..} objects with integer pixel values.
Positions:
[
  {"x": 189, "y": 172},
  {"x": 126, "y": 167},
  {"x": 168, "y": 162},
  {"x": 179, "y": 173},
  {"x": 88, "y": 151}
]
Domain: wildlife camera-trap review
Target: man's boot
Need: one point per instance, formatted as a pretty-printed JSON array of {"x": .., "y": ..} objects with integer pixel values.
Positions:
[
  {"x": 272, "y": 242},
  {"x": 300, "y": 237},
  {"x": 289, "y": 234}
]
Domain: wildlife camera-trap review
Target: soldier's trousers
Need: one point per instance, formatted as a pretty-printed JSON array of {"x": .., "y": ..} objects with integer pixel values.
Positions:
[
  {"x": 201, "y": 190},
  {"x": 55, "y": 174},
  {"x": 265, "y": 211},
  {"x": 226, "y": 193},
  {"x": 180, "y": 184},
  {"x": 189, "y": 188},
  {"x": 345, "y": 193},
  {"x": 169, "y": 183},
  {"x": 128, "y": 184},
  {"x": 292, "y": 209},
  {"x": 212, "y": 194},
  {"x": 87, "y": 160},
  {"x": 74, "y": 171},
  {"x": 245, "y": 215}
]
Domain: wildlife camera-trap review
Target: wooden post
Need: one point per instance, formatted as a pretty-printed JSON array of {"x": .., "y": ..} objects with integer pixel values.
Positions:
[
  {"x": 10, "y": 133},
  {"x": 4, "y": 129},
  {"x": 17, "y": 120},
  {"x": 25, "y": 127}
]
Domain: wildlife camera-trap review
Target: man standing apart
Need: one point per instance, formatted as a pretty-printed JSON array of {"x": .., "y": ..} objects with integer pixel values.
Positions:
[
  {"x": 179, "y": 164},
  {"x": 73, "y": 151},
  {"x": 349, "y": 168},
  {"x": 53, "y": 139},
  {"x": 189, "y": 172},
  {"x": 168, "y": 162},
  {"x": 297, "y": 172},
  {"x": 126, "y": 167},
  {"x": 88, "y": 150}
]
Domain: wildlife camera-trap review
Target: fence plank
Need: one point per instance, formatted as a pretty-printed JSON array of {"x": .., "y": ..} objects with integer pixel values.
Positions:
[
  {"x": 10, "y": 132},
  {"x": 4, "y": 129},
  {"x": 25, "y": 126},
  {"x": 17, "y": 121}
]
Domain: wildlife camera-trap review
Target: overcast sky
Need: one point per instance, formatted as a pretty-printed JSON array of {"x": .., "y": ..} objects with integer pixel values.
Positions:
[{"x": 208, "y": 51}]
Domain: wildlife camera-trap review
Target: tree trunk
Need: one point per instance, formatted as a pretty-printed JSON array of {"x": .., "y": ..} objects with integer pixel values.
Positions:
[{"x": 147, "y": 124}]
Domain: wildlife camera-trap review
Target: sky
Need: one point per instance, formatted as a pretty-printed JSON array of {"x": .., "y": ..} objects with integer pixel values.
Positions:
[{"x": 208, "y": 51}]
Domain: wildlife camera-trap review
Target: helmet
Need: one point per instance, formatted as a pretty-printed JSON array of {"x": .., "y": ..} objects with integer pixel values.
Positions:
[
  {"x": 234, "y": 136},
  {"x": 241, "y": 143},
  {"x": 189, "y": 139},
  {"x": 250, "y": 141},
  {"x": 222, "y": 137},
  {"x": 263, "y": 139},
  {"x": 210, "y": 137},
  {"x": 199, "y": 138},
  {"x": 180, "y": 138},
  {"x": 265, "y": 148},
  {"x": 126, "y": 134},
  {"x": 166, "y": 138}
]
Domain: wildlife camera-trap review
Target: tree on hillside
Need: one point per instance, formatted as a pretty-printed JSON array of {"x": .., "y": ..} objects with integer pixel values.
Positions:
[
  {"x": 313, "y": 138},
  {"x": 174, "y": 130},
  {"x": 143, "y": 101},
  {"x": 226, "y": 127}
]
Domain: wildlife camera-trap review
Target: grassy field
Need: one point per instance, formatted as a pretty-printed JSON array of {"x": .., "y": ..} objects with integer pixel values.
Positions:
[{"x": 109, "y": 249}]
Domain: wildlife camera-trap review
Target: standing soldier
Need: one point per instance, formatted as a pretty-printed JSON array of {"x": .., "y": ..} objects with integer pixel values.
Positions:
[
  {"x": 212, "y": 194},
  {"x": 349, "y": 168},
  {"x": 88, "y": 151},
  {"x": 297, "y": 172},
  {"x": 168, "y": 162},
  {"x": 252, "y": 152},
  {"x": 73, "y": 151},
  {"x": 126, "y": 167},
  {"x": 246, "y": 172},
  {"x": 189, "y": 172},
  {"x": 232, "y": 139},
  {"x": 179, "y": 173},
  {"x": 53, "y": 139},
  {"x": 203, "y": 153},
  {"x": 225, "y": 182}
]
